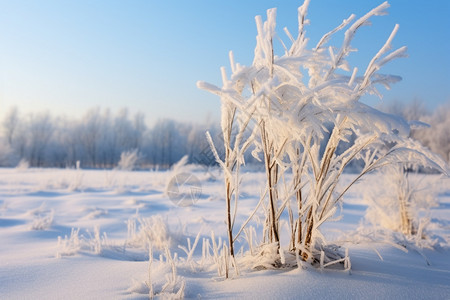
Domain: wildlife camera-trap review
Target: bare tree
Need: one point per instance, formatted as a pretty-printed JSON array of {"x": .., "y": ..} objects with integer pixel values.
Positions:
[
  {"x": 40, "y": 129},
  {"x": 10, "y": 124},
  {"x": 90, "y": 134}
]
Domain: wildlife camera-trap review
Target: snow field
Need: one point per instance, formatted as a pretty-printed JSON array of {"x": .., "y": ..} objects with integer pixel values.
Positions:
[{"x": 91, "y": 242}]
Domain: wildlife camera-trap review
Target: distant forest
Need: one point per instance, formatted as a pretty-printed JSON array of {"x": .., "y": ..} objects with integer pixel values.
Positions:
[{"x": 99, "y": 137}]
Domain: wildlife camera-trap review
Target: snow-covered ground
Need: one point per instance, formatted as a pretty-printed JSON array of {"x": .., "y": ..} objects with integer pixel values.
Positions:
[{"x": 84, "y": 234}]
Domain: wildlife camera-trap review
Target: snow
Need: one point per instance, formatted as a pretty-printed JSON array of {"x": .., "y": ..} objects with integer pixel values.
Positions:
[{"x": 110, "y": 258}]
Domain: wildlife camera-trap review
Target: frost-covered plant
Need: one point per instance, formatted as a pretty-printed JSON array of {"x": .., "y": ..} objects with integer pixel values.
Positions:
[
  {"x": 43, "y": 221},
  {"x": 234, "y": 124},
  {"x": 400, "y": 202},
  {"x": 305, "y": 106},
  {"x": 171, "y": 286},
  {"x": 128, "y": 160},
  {"x": 94, "y": 242},
  {"x": 153, "y": 229},
  {"x": 42, "y": 217},
  {"x": 181, "y": 165},
  {"x": 77, "y": 179},
  {"x": 23, "y": 164},
  {"x": 69, "y": 245},
  {"x": 173, "y": 281}
]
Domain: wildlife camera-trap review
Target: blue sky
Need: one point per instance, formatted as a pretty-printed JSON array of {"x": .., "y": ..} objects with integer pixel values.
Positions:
[{"x": 69, "y": 56}]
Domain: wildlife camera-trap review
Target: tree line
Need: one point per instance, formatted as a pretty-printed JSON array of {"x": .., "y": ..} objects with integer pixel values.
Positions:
[{"x": 99, "y": 137}]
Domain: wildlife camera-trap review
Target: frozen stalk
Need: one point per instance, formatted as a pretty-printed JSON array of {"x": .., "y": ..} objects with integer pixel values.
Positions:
[
  {"x": 151, "y": 293},
  {"x": 304, "y": 117}
]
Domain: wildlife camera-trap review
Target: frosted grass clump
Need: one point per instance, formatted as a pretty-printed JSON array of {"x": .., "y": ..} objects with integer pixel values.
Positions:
[
  {"x": 299, "y": 113},
  {"x": 152, "y": 230},
  {"x": 23, "y": 165},
  {"x": 43, "y": 221},
  {"x": 128, "y": 160},
  {"x": 400, "y": 203},
  {"x": 76, "y": 243},
  {"x": 173, "y": 285}
]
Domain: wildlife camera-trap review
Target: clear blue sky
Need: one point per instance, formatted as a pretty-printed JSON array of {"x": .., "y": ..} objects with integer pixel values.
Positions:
[{"x": 68, "y": 56}]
